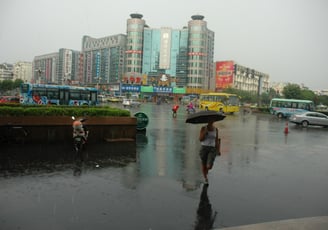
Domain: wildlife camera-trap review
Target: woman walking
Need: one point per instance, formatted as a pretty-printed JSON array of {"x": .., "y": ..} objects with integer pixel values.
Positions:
[{"x": 210, "y": 147}]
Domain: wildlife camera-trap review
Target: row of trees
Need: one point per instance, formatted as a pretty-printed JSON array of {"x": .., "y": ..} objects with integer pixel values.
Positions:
[
  {"x": 9, "y": 85},
  {"x": 292, "y": 91}
]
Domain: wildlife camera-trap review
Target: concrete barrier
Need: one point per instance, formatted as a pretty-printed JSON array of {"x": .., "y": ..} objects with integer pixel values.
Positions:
[{"x": 50, "y": 129}]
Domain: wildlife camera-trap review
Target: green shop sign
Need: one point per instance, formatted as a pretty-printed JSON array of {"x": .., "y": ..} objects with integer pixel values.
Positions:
[
  {"x": 147, "y": 89},
  {"x": 180, "y": 90},
  {"x": 150, "y": 89}
]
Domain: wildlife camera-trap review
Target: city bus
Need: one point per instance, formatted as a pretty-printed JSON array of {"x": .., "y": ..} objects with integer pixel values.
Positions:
[
  {"x": 228, "y": 103},
  {"x": 287, "y": 107},
  {"x": 43, "y": 94}
]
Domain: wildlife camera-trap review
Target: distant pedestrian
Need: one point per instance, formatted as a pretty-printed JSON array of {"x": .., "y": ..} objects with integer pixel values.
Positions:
[
  {"x": 191, "y": 107},
  {"x": 175, "y": 110},
  {"x": 210, "y": 147}
]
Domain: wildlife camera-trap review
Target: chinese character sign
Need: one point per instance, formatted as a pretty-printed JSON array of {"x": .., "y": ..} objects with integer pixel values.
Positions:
[
  {"x": 224, "y": 74},
  {"x": 162, "y": 89},
  {"x": 130, "y": 88}
]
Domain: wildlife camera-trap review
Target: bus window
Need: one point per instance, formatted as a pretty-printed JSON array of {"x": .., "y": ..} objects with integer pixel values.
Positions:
[
  {"x": 85, "y": 96},
  {"x": 39, "y": 92},
  {"x": 75, "y": 95},
  {"x": 301, "y": 105},
  {"x": 93, "y": 98},
  {"x": 25, "y": 88},
  {"x": 52, "y": 94}
]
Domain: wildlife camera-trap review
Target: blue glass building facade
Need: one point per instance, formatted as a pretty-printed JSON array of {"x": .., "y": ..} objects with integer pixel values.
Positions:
[{"x": 165, "y": 56}]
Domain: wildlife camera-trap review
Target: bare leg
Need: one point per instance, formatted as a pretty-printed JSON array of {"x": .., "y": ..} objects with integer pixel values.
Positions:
[
  {"x": 205, "y": 171},
  {"x": 209, "y": 167}
]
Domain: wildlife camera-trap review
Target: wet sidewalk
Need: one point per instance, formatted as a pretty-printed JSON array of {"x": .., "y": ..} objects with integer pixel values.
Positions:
[{"x": 309, "y": 223}]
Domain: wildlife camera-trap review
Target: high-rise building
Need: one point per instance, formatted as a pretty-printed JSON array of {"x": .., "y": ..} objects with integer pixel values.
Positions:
[
  {"x": 169, "y": 57},
  {"x": 103, "y": 59},
  {"x": 149, "y": 56},
  {"x": 6, "y": 71},
  {"x": 23, "y": 71},
  {"x": 45, "y": 69},
  {"x": 200, "y": 53},
  {"x": 61, "y": 67},
  {"x": 134, "y": 49},
  {"x": 164, "y": 56},
  {"x": 68, "y": 66}
]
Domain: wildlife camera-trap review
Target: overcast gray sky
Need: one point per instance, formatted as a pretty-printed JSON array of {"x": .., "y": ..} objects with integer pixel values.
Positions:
[{"x": 287, "y": 39}]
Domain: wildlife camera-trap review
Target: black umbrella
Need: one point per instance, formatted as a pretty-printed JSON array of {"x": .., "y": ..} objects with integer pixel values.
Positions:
[{"x": 204, "y": 117}]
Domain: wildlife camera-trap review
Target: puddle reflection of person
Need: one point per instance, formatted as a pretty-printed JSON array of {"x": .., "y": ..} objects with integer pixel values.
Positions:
[{"x": 205, "y": 219}]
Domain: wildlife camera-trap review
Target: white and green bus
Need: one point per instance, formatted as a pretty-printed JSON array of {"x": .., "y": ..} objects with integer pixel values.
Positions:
[{"x": 286, "y": 107}]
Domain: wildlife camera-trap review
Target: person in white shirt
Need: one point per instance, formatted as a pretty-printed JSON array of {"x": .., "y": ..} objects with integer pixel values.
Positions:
[{"x": 210, "y": 147}]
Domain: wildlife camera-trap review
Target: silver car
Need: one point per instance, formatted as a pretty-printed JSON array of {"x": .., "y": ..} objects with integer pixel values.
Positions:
[
  {"x": 130, "y": 102},
  {"x": 310, "y": 118}
]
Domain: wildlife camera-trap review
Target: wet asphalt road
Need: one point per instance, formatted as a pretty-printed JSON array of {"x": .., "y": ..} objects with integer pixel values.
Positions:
[{"x": 262, "y": 175}]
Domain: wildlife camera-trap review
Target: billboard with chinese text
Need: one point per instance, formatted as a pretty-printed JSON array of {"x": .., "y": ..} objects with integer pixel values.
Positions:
[{"x": 224, "y": 74}]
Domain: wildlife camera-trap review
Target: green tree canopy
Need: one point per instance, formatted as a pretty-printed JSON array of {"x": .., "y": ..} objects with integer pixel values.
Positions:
[
  {"x": 292, "y": 91},
  {"x": 6, "y": 85},
  {"x": 17, "y": 83},
  {"x": 308, "y": 95}
]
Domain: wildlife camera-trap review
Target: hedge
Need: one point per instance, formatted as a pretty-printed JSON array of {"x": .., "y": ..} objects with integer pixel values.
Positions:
[{"x": 78, "y": 111}]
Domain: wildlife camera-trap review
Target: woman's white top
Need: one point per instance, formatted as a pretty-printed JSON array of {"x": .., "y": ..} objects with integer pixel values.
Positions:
[{"x": 209, "y": 138}]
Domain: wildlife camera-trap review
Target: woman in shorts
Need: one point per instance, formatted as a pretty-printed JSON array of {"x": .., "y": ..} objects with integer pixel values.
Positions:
[{"x": 210, "y": 147}]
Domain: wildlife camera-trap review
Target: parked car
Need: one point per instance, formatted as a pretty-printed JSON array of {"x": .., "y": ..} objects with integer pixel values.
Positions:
[
  {"x": 114, "y": 99},
  {"x": 310, "y": 118},
  {"x": 9, "y": 99},
  {"x": 127, "y": 102},
  {"x": 101, "y": 98}
]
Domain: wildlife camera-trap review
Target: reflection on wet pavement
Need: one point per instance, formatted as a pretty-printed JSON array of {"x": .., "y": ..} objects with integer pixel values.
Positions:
[{"x": 155, "y": 183}]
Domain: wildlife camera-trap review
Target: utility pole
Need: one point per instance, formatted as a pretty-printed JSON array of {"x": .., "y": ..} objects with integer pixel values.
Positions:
[{"x": 39, "y": 72}]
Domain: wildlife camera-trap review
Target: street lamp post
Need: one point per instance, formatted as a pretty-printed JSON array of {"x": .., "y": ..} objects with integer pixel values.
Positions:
[
  {"x": 98, "y": 82},
  {"x": 66, "y": 78},
  {"x": 39, "y": 72}
]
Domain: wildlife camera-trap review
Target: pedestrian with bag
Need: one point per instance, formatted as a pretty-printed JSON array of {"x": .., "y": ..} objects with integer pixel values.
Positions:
[{"x": 210, "y": 147}]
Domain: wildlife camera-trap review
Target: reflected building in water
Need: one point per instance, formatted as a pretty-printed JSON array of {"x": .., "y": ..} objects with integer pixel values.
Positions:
[{"x": 171, "y": 149}]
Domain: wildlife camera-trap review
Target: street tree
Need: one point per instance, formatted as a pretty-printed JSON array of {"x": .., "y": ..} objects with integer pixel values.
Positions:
[
  {"x": 17, "y": 83},
  {"x": 308, "y": 95},
  {"x": 6, "y": 85},
  {"x": 292, "y": 91}
]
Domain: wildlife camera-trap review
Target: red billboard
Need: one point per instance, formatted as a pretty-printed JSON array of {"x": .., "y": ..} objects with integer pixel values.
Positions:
[{"x": 224, "y": 74}]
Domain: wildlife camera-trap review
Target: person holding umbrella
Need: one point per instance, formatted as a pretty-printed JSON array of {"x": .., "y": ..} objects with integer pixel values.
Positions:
[
  {"x": 210, "y": 146},
  {"x": 208, "y": 136}
]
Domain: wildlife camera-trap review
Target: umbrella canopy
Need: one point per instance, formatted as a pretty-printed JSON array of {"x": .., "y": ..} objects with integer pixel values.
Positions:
[{"x": 204, "y": 117}]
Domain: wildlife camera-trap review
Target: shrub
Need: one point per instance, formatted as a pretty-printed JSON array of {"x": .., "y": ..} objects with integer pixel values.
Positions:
[{"x": 8, "y": 110}]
